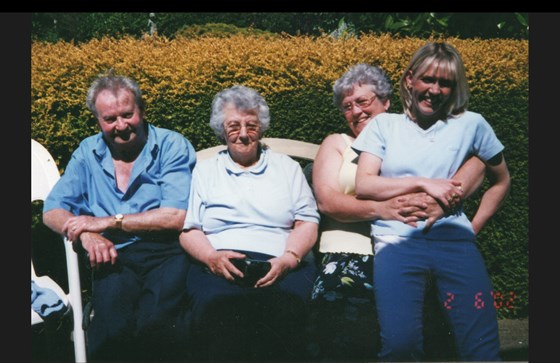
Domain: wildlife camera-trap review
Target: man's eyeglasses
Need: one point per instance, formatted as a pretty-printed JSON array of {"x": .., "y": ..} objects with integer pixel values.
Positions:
[
  {"x": 235, "y": 127},
  {"x": 361, "y": 103}
]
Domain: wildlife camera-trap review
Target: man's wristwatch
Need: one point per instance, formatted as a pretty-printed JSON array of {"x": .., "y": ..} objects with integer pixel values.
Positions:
[{"x": 118, "y": 220}]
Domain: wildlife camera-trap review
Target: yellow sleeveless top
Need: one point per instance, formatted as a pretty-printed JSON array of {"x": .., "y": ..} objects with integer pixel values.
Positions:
[{"x": 346, "y": 237}]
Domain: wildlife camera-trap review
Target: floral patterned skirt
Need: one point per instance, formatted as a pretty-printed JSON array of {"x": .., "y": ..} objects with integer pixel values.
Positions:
[
  {"x": 343, "y": 316},
  {"x": 343, "y": 276}
]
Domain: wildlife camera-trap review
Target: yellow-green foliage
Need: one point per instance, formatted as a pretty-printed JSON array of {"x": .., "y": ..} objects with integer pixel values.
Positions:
[
  {"x": 219, "y": 30},
  {"x": 295, "y": 74},
  {"x": 187, "y": 71}
]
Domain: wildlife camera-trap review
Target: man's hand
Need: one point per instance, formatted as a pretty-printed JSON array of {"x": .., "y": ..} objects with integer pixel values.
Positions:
[
  {"x": 100, "y": 250},
  {"x": 76, "y": 225}
]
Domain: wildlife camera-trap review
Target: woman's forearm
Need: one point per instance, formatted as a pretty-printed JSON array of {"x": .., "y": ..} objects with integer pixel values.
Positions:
[
  {"x": 302, "y": 237},
  {"x": 196, "y": 244}
]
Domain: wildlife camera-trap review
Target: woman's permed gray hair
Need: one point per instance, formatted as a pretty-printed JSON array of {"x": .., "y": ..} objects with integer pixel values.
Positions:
[
  {"x": 243, "y": 99},
  {"x": 445, "y": 57},
  {"x": 113, "y": 83},
  {"x": 362, "y": 74}
]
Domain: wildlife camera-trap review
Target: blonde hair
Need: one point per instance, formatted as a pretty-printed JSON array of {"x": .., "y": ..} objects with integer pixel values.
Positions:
[{"x": 444, "y": 56}]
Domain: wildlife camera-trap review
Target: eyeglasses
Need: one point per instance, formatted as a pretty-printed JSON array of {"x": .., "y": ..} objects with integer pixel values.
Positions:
[
  {"x": 361, "y": 103},
  {"x": 235, "y": 128}
]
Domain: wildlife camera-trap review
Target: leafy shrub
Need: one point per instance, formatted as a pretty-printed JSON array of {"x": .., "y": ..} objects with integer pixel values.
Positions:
[
  {"x": 219, "y": 30},
  {"x": 179, "y": 78}
]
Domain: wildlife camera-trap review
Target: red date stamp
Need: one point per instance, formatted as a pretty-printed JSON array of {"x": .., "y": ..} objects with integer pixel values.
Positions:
[{"x": 500, "y": 300}]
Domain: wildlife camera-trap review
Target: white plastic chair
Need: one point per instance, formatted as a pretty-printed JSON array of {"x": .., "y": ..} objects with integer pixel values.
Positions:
[{"x": 44, "y": 175}]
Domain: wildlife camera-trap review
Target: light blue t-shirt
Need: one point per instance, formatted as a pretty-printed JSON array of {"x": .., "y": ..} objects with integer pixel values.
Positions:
[
  {"x": 161, "y": 177},
  {"x": 250, "y": 209},
  {"x": 437, "y": 153}
]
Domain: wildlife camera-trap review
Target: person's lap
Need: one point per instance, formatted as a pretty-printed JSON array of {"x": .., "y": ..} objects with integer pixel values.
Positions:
[
  {"x": 228, "y": 320},
  {"x": 136, "y": 302},
  {"x": 344, "y": 320}
]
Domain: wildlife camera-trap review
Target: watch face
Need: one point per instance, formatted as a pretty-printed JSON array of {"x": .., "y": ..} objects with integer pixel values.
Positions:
[{"x": 118, "y": 220}]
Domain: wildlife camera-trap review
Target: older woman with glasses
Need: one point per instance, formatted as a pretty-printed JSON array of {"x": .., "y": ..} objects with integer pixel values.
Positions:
[
  {"x": 342, "y": 295},
  {"x": 251, "y": 221}
]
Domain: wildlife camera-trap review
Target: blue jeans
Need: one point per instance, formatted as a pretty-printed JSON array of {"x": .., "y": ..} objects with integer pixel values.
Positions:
[{"x": 464, "y": 288}]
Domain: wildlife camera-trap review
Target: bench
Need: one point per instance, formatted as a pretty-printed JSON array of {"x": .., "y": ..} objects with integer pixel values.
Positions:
[
  {"x": 438, "y": 340},
  {"x": 514, "y": 334}
]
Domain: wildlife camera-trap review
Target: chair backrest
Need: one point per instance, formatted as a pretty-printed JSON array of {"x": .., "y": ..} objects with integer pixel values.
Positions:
[
  {"x": 44, "y": 172},
  {"x": 294, "y": 148},
  {"x": 44, "y": 175}
]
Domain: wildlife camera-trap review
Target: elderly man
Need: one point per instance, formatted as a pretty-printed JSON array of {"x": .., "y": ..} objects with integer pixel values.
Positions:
[{"x": 123, "y": 197}]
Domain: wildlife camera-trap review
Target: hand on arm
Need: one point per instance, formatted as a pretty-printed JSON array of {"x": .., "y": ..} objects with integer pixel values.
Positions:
[
  {"x": 85, "y": 230},
  {"x": 370, "y": 185},
  {"x": 347, "y": 208},
  {"x": 428, "y": 206},
  {"x": 470, "y": 175},
  {"x": 72, "y": 226}
]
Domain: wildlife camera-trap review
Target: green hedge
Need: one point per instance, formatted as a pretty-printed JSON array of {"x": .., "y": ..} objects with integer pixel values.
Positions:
[{"x": 179, "y": 78}]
